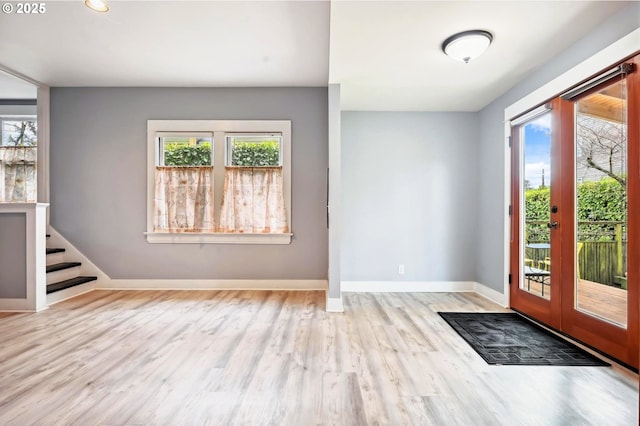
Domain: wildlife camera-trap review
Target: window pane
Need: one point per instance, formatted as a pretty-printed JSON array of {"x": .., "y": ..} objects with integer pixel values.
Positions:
[
  {"x": 254, "y": 151},
  {"x": 19, "y": 133},
  {"x": 535, "y": 139},
  {"x": 186, "y": 151},
  {"x": 601, "y": 204},
  {"x": 18, "y": 159}
]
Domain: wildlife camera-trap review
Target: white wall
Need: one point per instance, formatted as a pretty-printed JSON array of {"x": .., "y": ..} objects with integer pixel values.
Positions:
[
  {"x": 491, "y": 185},
  {"x": 409, "y": 196}
]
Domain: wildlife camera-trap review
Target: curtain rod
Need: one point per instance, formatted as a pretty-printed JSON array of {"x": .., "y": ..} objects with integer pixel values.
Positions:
[{"x": 620, "y": 70}]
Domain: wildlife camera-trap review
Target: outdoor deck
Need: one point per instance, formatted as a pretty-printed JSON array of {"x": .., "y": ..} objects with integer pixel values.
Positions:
[{"x": 599, "y": 299}]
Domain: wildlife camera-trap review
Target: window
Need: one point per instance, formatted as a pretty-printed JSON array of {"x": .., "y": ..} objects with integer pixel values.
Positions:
[
  {"x": 254, "y": 150},
  {"x": 18, "y": 131},
  {"x": 18, "y": 155},
  {"x": 183, "y": 185},
  {"x": 253, "y": 197},
  {"x": 186, "y": 150},
  {"x": 215, "y": 181}
]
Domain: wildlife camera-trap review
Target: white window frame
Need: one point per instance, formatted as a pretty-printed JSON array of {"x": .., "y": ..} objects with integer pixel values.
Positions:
[{"x": 220, "y": 129}]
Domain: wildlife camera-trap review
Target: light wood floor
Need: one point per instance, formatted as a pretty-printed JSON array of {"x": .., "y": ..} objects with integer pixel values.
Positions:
[{"x": 223, "y": 358}]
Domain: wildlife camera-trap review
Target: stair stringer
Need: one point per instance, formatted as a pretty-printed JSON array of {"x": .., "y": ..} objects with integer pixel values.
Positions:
[{"x": 87, "y": 268}]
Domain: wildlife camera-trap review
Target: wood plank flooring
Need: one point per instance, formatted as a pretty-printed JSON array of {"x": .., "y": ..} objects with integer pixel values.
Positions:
[
  {"x": 277, "y": 358},
  {"x": 599, "y": 299}
]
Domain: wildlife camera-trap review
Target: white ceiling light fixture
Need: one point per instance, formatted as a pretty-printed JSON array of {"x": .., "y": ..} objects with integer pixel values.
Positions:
[
  {"x": 97, "y": 5},
  {"x": 467, "y": 45}
]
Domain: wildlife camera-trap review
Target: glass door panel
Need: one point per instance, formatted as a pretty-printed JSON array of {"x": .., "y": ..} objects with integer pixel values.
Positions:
[
  {"x": 601, "y": 204},
  {"x": 575, "y": 208},
  {"x": 535, "y": 195}
]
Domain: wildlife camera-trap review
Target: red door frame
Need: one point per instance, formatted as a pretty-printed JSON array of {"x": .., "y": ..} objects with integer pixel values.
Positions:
[
  {"x": 545, "y": 311},
  {"x": 559, "y": 312}
]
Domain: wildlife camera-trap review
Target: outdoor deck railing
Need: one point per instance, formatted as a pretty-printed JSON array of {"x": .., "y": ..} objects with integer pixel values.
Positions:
[{"x": 603, "y": 252}]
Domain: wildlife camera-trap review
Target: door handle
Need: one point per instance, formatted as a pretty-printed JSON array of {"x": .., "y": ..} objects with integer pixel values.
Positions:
[{"x": 553, "y": 225}]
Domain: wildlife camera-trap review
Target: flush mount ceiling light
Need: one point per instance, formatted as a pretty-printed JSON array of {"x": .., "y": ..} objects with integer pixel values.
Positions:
[
  {"x": 467, "y": 45},
  {"x": 97, "y": 5}
]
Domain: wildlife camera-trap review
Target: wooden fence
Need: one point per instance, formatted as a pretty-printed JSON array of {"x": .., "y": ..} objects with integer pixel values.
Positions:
[
  {"x": 602, "y": 256},
  {"x": 603, "y": 262}
]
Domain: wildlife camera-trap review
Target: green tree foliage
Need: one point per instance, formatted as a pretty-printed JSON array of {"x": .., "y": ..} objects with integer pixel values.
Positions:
[
  {"x": 177, "y": 154},
  {"x": 537, "y": 204},
  {"x": 537, "y": 209},
  {"x": 256, "y": 154},
  {"x": 605, "y": 200},
  {"x": 249, "y": 154}
]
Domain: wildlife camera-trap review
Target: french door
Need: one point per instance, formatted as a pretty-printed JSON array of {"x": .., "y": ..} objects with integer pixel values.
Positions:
[{"x": 575, "y": 205}]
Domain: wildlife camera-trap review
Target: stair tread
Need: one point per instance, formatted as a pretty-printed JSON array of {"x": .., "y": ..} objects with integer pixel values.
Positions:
[
  {"x": 63, "y": 285},
  {"x": 61, "y": 266},
  {"x": 55, "y": 250}
]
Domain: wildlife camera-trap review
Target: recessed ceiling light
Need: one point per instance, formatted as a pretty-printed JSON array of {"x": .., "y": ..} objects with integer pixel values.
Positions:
[
  {"x": 97, "y": 5},
  {"x": 467, "y": 45}
]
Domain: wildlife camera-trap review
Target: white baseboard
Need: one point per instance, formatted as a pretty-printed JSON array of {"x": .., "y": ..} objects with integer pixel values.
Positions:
[
  {"x": 407, "y": 286},
  {"x": 334, "y": 304},
  {"x": 424, "y": 287},
  {"x": 176, "y": 284},
  {"x": 491, "y": 294},
  {"x": 17, "y": 305}
]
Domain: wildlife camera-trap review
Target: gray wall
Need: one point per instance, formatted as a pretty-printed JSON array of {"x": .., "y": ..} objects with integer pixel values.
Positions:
[
  {"x": 490, "y": 252},
  {"x": 18, "y": 110},
  {"x": 335, "y": 195},
  {"x": 99, "y": 172},
  {"x": 409, "y": 196},
  {"x": 13, "y": 256}
]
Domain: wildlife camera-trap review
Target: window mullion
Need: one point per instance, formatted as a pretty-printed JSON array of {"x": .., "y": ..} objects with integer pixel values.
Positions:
[{"x": 218, "y": 173}]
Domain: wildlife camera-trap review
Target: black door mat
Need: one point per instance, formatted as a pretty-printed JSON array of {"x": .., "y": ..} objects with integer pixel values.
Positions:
[{"x": 509, "y": 339}]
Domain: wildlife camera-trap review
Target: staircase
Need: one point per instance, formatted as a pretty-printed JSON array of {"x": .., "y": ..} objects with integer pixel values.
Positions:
[{"x": 62, "y": 274}]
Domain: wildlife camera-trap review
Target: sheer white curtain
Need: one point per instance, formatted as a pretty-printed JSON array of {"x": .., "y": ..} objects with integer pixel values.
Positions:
[
  {"x": 253, "y": 201},
  {"x": 184, "y": 199},
  {"x": 18, "y": 179}
]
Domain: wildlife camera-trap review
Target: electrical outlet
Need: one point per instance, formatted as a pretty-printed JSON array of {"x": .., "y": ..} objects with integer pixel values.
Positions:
[{"x": 401, "y": 269}]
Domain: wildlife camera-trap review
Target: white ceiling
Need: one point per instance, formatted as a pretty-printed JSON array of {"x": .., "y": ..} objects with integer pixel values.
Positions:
[
  {"x": 389, "y": 52},
  {"x": 385, "y": 54}
]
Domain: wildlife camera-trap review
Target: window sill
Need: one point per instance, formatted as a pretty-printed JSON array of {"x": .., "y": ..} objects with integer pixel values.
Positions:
[{"x": 177, "y": 238}]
